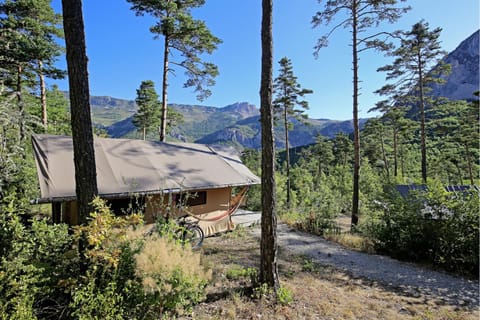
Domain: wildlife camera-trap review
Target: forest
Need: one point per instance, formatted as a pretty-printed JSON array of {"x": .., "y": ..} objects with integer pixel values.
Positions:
[{"x": 104, "y": 268}]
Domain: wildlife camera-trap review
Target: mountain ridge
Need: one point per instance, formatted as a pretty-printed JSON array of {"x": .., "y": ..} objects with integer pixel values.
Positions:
[
  {"x": 463, "y": 80},
  {"x": 238, "y": 123}
]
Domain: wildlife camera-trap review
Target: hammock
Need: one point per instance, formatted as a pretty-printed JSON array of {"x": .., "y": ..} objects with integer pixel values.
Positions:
[{"x": 234, "y": 204}]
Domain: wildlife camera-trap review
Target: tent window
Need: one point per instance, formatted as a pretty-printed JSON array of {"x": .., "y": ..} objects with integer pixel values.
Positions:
[
  {"x": 127, "y": 205},
  {"x": 194, "y": 199}
]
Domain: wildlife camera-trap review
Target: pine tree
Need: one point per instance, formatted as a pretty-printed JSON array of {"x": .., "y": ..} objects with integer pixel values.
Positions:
[
  {"x": 289, "y": 96},
  {"x": 58, "y": 110},
  {"x": 82, "y": 133},
  {"x": 268, "y": 241},
  {"x": 418, "y": 52},
  {"x": 323, "y": 148},
  {"x": 374, "y": 132},
  {"x": 457, "y": 123},
  {"x": 342, "y": 149},
  {"x": 29, "y": 47},
  {"x": 188, "y": 37},
  {"x": 58, "y": 113},
  {"x": 147, "y": 116},
  {"x": 360, "y": 15},
  {"x": 395, "y": 121}
]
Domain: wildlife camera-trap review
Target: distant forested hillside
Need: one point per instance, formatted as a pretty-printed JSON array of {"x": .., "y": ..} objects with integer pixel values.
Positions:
[{"x": 236, "y": 124}]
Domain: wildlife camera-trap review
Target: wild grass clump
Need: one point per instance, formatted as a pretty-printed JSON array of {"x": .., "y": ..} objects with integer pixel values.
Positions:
[
  {"x": 352, "y": 241},
  {"x": 172, "y": 275},
  {"x": 237, "y": 272}
]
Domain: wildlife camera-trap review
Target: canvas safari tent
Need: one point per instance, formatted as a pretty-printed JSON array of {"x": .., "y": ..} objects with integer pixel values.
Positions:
[{"x": 154, "y": 176}]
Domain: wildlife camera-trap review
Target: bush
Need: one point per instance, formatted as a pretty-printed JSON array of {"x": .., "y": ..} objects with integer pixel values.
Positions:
[
  {"x": 253, "y": 199},
  {"x": 31, "y": 266},
  {"x": 458, "y": 244},
  {"x": 94, "y": 272},
  {"x": 433, "y": 227},
  {"x": 172, "y": 276},
  {"x": 93, "y": 302},
  {"x": 317, "y": 207},
  {"x": 284, "y": 295}
]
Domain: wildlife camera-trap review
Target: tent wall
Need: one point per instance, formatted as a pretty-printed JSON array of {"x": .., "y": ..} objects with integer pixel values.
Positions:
[
  {"x": 211, "y": 215},
  {"x": 217, "y": 199},
  {"x": 218, "y": 202},
  {"x": 155, "y": 206}
]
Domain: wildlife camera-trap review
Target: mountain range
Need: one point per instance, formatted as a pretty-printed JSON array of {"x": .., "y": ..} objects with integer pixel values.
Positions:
[{"x": 238, "y": 124}]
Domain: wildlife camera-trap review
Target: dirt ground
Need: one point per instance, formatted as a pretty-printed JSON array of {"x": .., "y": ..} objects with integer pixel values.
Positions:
[{"x": 317, "y": 291}]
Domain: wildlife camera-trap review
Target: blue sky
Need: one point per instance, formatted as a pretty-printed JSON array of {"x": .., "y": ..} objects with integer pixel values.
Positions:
[{"x": 122, "y": 51}]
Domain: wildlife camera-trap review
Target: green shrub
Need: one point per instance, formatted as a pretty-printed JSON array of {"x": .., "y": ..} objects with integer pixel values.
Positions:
[
  {"x": 317, "y": 207},
  {"x": 94, "y": 271},
  {"x": 93, "y": 302},
  {"x": 284, "y": 295},
  {"x": 108, "y": 285},
  {"x": 309, "y": 265},
  {"x": 433, "y": 227},
  {"x": 35, "y": 260},
  {"x": 237, "y": 272},
  {"x": 20, "y": 283},
  {"x": 253, "y": 199},
  {"x": 458, "y": 243}
]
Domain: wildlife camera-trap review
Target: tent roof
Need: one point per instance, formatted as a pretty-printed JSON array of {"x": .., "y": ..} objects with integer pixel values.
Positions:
[
  {"x": 125, "y": 167},
  {"x": 406, "y": 189}
]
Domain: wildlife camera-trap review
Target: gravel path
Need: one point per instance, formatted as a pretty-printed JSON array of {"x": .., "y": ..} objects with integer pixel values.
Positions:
[{"x": 411, "y": 279}]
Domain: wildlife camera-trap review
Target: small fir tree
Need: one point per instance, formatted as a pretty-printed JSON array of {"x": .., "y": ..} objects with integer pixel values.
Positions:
[
  {"x": 147, "y": 116},
  {"x": 289, "y": 96}
]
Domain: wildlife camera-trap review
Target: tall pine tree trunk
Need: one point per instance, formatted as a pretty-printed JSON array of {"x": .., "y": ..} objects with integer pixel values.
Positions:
[
  {"x": 402, "y": 159},
  {"x": 423, "y": 142},
  {"x": 21, "y": 106},
  {"x": 395, "y": 157},
  {"x": 287, "y": 146},
  {"x": 356, "y": 130},
  {"x": 82, "y": 133},
  {"x": 43, "y": 96},
  {"x": 268, "y": 242},
  {"x": 163, "y": 119},
  {"x": 469, "y": 164},
  {"x": 384, "y": 155}
]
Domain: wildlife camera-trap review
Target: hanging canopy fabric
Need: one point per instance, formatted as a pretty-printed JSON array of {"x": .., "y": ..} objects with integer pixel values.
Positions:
[{"x": 126, "y": 167}]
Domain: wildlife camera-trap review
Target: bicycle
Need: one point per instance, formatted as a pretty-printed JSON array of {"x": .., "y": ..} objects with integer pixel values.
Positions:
[
  {"x": 190, "y": 232},
  {"x": 185, "y": 230}
]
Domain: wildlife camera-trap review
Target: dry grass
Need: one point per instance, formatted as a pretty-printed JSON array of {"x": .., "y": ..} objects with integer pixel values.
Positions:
[
  {"x": 352, "y": 241},
  {"x": 319, "y": 292},
  {"x": 160, "y": 257}
]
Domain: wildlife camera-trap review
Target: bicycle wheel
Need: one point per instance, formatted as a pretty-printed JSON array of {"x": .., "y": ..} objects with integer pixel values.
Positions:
[{"x": 193, "y": 235}]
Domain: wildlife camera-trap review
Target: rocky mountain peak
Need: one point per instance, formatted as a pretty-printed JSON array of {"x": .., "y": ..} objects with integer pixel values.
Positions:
[
  {"x": 243, "y": 109},
  {"x": 463, "y": 81}
]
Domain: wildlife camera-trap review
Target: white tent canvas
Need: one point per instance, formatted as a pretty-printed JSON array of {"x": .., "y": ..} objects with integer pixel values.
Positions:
[{"x": 133, "y": 167}]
